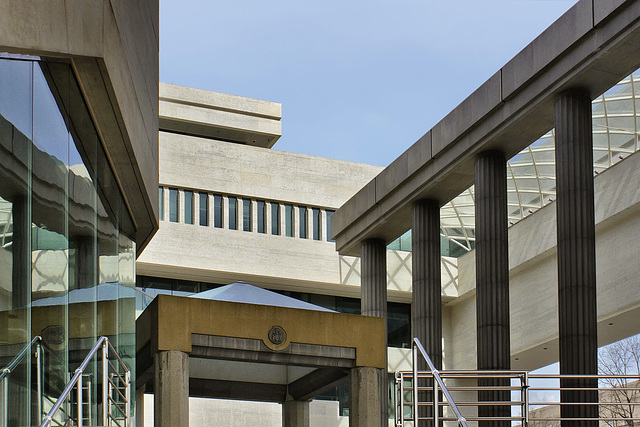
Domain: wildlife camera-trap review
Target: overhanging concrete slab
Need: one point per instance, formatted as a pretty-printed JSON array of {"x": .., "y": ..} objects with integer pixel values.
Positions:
[
  {"x": 592, "y": 46},
  {"x": 234, "y": 355}
]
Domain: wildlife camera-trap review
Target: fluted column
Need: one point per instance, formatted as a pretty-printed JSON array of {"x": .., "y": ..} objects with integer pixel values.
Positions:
[
  {"x": 426, "y": 304},
  {"x": 576, "y": 253},
  {"x": 492, "y": 277},
  {"x": 373, "y": 291}
]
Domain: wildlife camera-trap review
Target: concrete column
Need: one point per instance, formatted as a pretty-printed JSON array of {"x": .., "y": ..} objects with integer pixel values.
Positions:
[
  {"x": 171, "y": 394},
  {"x": 196, "y": 208},
  {"x": 492, "y": 278},
  {"x": 283, "y": 220},
  {"x": 295, "y": 221},
  {"x": 426, "y": 305},
  {"x": 366, "y": 408},
  {"x": 323, "y": 225},
  {"x": 140, "y": 406},
  {"x": 295, "y": 413},
  {"x": 181, "y": 206},
  {"x": 576, "y": 253},
  {"x": 267, "y": 217},
  {"x": 373, "y": 290},
  {"x": 225, "y": 212}
]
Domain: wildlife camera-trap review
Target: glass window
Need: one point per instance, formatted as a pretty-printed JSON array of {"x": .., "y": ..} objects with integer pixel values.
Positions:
[
  {"x": 233, "y": 213},
  {"x": 261, "y": 216},
  {"x": 316, "y": 223},
  {"x": 288, "y": 220},
  {"x": 329, "y": 213},
  {"x": 217, "y": 211},
  {"x": 204, "y": 209},
  {"x": 246, "y": 214},
  {"x": 302, "y": 214},
  {"x": 161, "y": 204},
  {"x": 188, "y": 207},
  {"x": 275, "y": 219},
  {"x": 173, "y": 204}
]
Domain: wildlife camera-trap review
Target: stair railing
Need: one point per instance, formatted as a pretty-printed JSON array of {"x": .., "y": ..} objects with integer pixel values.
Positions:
[
  {"x": 104, "y": 346},
  {"x": 438, "y": 383},
  {"x": 4, "y": 374}
]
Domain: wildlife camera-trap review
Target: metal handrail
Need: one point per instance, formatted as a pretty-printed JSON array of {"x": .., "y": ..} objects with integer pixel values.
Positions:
[
  {"x": 11, "y": 366},
  {"x": 104, "y": 344},
  {"x": 37, "y": 340},
  {"x": 417, "y": 345},
  {"x": 524, "y": 409}
]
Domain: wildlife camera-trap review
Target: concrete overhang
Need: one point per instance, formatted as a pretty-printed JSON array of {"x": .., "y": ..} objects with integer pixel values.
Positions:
[
  {"x": 232, "y": 356},
  {"x": 112, "y": 46},
  {"x": 220, "y": 116},
  {"x": 592, "y": 47}
]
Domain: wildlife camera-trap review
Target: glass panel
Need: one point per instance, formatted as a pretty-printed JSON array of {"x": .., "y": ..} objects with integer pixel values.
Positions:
[
  {"x": 16, "y": 128},
  {"x": 204, "y": 209},
  {"x": 288, "y": 220},
  {"x": 188, "y": 207},
  {"x": 261, "y": 216},
  {"x": 329, "y": 213},
  {"x": 316, "y": 223},
  {"x": 161, "y": 204},
  {"x": 302, "y": 211},
  {"x": 217, "y": 211},
  {"x": 275, "y": 219},
  {"x": 50, "y": 248},
  {"x": 173, "y": 204},
  {"x": 246, "y": 214},
  {"x": 233, "y": 213}
]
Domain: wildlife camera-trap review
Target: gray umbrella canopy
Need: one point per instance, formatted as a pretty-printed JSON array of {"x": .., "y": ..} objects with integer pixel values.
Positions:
[{"x": 249, "y": 294}]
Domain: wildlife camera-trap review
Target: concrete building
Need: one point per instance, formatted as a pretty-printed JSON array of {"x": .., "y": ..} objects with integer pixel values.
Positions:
[
  {"x": 78, "y": 194},
  {"x": 264, "y": 213}
]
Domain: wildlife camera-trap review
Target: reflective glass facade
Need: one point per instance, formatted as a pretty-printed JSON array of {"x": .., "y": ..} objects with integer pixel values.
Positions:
[{"x": 67, "y": 261}]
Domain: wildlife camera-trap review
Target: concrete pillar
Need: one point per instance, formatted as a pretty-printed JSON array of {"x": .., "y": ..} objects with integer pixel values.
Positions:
[
  {"x": 373, "y": 290},
  {"x": 492, "y": 278},
  {"x": 171, "y": 393},
  {"x": 365, "y": 406},
  {"x": 295, "y": 413},
  {"x": 140, "y": 406},
  {"x": 426, "y": 305},
  {"x": 576, "y": 253}
]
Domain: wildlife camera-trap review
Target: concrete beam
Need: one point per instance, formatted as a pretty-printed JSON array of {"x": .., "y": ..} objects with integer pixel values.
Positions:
[
  {"x": 220, "y": 116},
  {"x": 594, "y": 45}
]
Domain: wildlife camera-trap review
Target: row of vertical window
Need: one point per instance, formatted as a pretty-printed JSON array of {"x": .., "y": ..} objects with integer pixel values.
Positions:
[{"x": 308, "y": 220}]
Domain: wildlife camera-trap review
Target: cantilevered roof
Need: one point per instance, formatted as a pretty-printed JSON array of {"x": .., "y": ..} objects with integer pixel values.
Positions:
[{"x": 249, "y": 294}]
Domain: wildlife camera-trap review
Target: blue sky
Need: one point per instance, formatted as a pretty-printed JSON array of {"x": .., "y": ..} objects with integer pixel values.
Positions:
[{"x": 358, "y": 80}]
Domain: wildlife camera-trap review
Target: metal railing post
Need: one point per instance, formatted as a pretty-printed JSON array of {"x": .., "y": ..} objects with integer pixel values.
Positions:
[
  {"x": 401, "y": 399},
  {"x": 525, "y": 399},
  {"x": 414, "y": 398},
  {"x": 105, "y": 382},
  {"x": 128, "y": 397},
  {"x": 5, "y": 387},
  {"x": 39, "y": 369},
  {"x": 79, "y": 400},
  {"x": 436, "y": 404}
]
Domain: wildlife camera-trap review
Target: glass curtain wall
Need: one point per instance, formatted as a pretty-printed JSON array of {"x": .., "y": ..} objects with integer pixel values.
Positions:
[{"x": 67, "y": 265}]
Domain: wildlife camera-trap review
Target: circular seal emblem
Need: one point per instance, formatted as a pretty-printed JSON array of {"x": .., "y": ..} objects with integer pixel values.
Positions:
[{"x": 277, "y": 335}]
